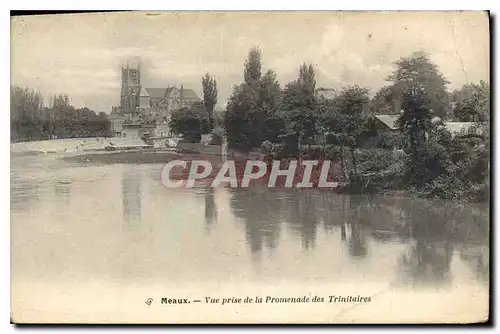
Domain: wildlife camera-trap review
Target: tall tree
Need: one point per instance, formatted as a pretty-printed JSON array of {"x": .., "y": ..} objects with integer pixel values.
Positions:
[
  {"x": 268, "y": 104},
  {"x": 418, "y": 69},
  {"x": 415, "y": 123},
  {"x": 245, "y": 115},
  {"x": 253, "y": 67},
  {"x": 209, "y": 96},
  {"x": 307, "y": 78},
  {"x": 298, "y": 109},
  {"x": 352, "y": 104},
  {"x": 238, "y": 120}
]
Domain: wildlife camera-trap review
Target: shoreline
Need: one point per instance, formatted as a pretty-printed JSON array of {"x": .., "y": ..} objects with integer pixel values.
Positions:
[{"x": 162, "y": 156}]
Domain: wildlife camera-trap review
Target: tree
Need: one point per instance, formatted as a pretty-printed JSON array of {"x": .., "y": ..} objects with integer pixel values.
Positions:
[
  {"x": 238, "y": 118},
  {"x": 191, "y": 122},
  {"x": 419, "y": 70},
  {"x": 253, "y": 67},
  {"x": 307, "y": 78},
  {"x": 298, "y": 109},
  {"x": 25, "y": 113},
  {"x": 268, "y": 104},
  {"x": 472, "y": 103},
  {"x": 352, "y": 104},
  {"x": 209, "y": 96},
  {"x": 245, "y": 119},
  {"x": 415, "y": 123},
  {"x": 384, "y": 102}
]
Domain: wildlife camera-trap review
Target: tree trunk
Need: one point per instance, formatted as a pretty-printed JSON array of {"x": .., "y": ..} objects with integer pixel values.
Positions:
[
  {"x": 354, "y": 162},
  {"x": 342, "y": 161}
]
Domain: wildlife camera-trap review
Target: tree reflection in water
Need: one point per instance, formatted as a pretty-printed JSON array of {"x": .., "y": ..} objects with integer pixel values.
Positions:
[
  {"x": 261, "y": 211},
  {"x": 431, "y": 230},
  {"x": 437, "y": 228},
  {"x": 210, "y": 208}
]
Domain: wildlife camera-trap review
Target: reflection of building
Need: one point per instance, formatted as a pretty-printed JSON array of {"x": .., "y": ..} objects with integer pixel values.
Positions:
[{"x": 131, "y": 197}]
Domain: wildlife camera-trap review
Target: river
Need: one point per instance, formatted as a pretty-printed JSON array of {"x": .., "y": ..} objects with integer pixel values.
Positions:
[{"x": 90, "y": 242}]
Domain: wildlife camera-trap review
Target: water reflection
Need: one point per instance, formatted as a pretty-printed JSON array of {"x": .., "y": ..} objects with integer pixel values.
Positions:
[
  {"x": 127, "y": 225},
  {"x": 210, "y": 208},
  {"x": 131, "y": 198},
  {"x": 261, "y": 210},
  {"x": 62, "y": 190},
  {"x": 430, "y": 230}
]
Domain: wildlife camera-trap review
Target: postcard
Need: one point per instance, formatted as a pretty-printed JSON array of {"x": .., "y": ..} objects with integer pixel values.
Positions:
[{"x": 323, "y": 167}]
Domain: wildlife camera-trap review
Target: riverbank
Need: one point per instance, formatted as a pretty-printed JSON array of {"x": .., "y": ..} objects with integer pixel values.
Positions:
[{"x": 131, "y": 157}]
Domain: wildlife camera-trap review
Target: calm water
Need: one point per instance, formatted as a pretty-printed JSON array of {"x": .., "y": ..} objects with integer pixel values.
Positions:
[{"x": 73, "y": 222}]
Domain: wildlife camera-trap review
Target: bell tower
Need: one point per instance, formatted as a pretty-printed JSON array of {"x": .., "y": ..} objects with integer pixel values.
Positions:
[{"x": 130, "y": 88}]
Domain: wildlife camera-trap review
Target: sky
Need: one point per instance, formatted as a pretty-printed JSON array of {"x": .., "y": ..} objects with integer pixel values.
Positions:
[{"x": 81, "y": 54}]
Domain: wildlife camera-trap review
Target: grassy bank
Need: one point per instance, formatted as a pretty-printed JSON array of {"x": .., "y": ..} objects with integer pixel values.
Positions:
[{"x": 124, "y": 157}]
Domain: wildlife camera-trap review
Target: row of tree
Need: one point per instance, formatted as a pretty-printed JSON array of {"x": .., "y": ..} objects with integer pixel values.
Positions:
[
  {"x": 31, "y": 120},
  {"x": 259, "y": 110}
]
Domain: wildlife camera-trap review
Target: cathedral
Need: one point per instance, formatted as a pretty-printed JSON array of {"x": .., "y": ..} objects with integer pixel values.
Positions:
[{"x": 136, "y": 100}]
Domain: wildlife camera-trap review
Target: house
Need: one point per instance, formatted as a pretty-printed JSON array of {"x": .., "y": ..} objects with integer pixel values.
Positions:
[
  {"x": 464, "y": 128},
  {"x": 388, "y": 124},
  {"x": 385, "y": 123},
  {"x": 326, "y": 93},
  {"x": 136, "y": 131},
  {"x": 116, "y": 122}
]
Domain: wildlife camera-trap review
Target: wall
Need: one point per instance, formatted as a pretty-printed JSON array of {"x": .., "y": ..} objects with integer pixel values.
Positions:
[
  {"x": 162, "y": 130},
  {"x": 199, "y": 148},
  {"x": 130, "y": 133}
]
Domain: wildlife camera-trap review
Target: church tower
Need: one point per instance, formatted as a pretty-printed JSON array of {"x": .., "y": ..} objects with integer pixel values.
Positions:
[{"x": 131, "y": 86}]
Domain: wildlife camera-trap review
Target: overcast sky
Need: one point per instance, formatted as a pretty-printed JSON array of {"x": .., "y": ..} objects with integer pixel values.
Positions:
[{"x": 81, "y": 54}]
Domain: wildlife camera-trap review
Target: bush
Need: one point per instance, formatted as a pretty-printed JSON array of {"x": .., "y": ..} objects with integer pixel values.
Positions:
[
  {"x": 374, "y": 160},
  {"x": 390, "y": 140},
  {"x": 216, "y": 139}
]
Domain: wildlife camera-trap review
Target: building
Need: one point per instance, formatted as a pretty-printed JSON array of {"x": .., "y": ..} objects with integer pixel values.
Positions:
[
  {"x": 326, "y": 93},
  {"x": 388, "y": 123},
  {"x": 137, "y": 100},
  {"x": 116, "y": 122},
  {"x": 145, "y": 110}
]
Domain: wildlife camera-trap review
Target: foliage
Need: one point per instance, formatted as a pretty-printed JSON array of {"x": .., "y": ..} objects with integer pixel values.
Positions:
[
  {"x": 384, "y": 102},
  {"x": 298, "y": 109},
  {"x": 217, "y": 136},
  {"x": 268, "y": 104},
  {"x": 390, "y": 140},
  {"x": 472, "y": 103},
  {"x": 191, "y": 123},
  {"x": 418, "y": 70},
  {"x": 253, "y": 67},
  {"x": 209, "y": 97},
  {"x": 245, "y": 116},
  {"x": 239, "y": 120},
  {"x": 352, "y": 106},
  {"x": 30, "y": 120},
  {"x": 415, "y": 124}
]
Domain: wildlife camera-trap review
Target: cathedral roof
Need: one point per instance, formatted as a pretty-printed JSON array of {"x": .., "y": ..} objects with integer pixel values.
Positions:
[
  {"x": 157, "y": 92},
  {"x": 187, "y": 94}
]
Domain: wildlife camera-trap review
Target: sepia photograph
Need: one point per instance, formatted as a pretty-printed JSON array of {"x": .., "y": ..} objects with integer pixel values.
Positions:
[{"x": 250, "y": 167}]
